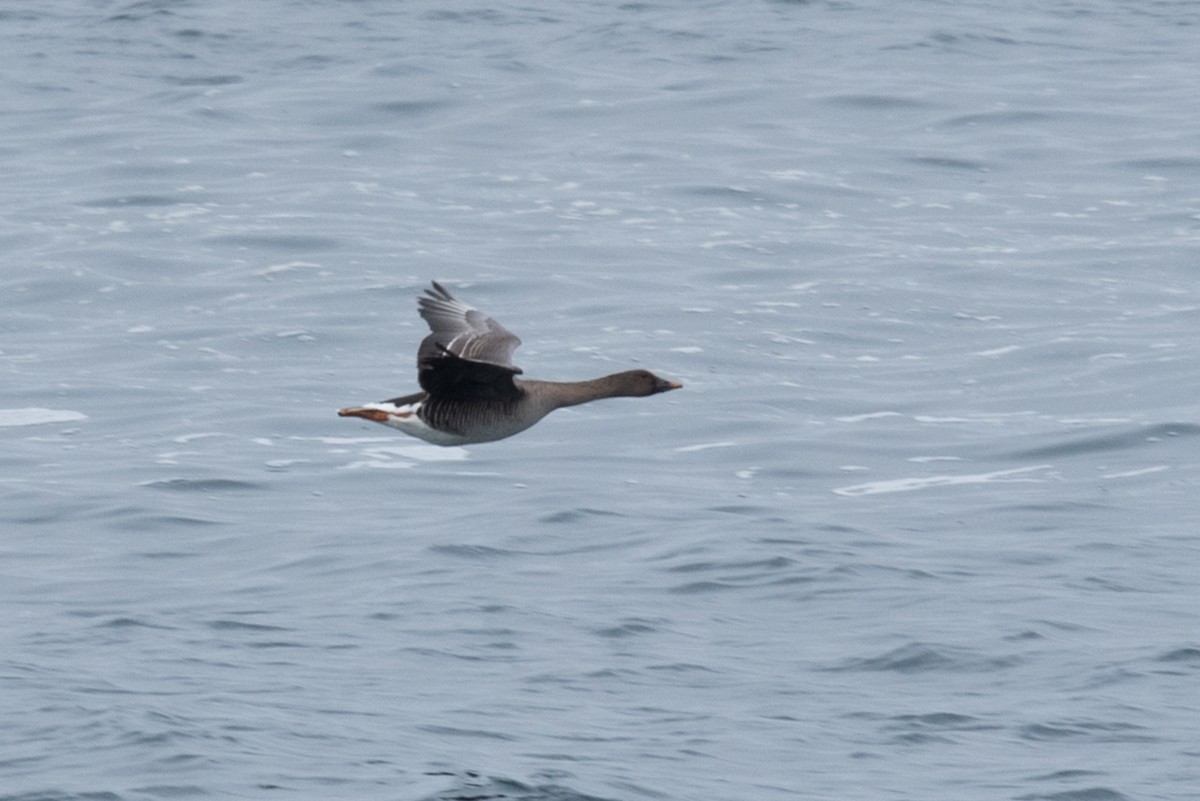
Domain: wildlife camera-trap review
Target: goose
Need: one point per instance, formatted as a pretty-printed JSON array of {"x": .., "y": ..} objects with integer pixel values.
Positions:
[{"x": 470, "y": 392}]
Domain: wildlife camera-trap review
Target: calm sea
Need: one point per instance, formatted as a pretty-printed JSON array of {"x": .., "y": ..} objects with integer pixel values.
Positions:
[{"x": 922, "y": 524}]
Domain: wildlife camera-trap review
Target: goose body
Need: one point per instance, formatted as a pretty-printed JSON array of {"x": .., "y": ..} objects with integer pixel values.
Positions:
[{"x": 470, "y": 390}]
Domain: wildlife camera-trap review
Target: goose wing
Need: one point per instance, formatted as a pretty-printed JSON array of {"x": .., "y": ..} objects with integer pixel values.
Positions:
[{"x": 467, "y": 355}]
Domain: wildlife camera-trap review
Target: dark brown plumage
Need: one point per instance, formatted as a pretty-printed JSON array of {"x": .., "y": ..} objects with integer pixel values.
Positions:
[{"x": 471, "y": 392}]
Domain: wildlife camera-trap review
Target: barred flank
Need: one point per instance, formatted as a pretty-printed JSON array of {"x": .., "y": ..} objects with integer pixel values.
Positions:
[{"x": 459, "y": 417}]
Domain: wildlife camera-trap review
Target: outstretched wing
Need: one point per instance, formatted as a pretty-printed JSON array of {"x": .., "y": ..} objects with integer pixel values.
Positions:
[{"x": 467, "y": 355}]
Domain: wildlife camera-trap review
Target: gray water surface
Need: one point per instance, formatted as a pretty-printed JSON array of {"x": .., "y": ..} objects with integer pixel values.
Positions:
[{"x": 922, "y": 523}]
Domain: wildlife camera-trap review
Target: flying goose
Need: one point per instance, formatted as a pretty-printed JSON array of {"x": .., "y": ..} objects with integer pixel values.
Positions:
[{"x": 470, "y": 390}]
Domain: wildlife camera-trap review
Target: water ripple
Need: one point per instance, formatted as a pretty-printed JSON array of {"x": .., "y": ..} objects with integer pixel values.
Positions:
[
  {"x": 923, "y": 658},
  {"x": 471, "y": 786},
  {"x": 1101, "y": 441}
]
